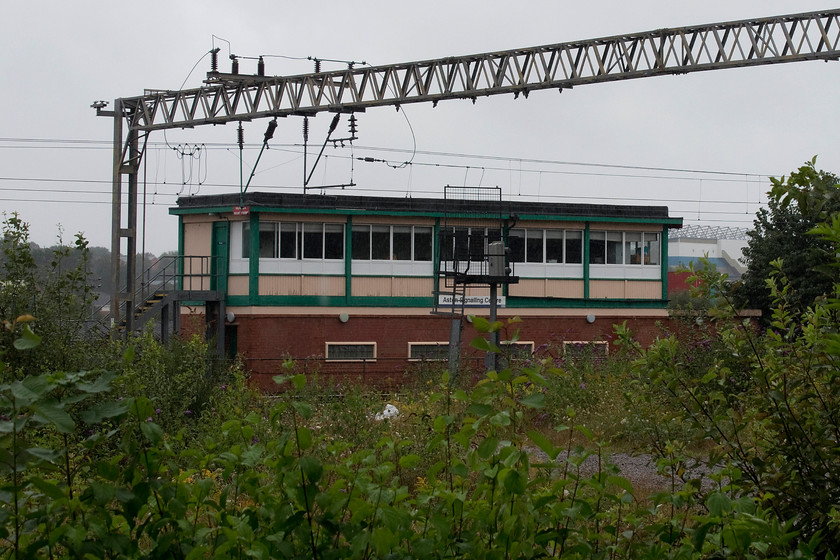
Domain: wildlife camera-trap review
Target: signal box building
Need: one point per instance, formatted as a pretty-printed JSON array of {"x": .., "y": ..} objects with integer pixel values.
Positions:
[{"x": 369, "y": 286}]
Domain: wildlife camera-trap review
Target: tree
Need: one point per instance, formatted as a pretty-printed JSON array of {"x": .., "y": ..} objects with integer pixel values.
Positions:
[
  {"x": 796, "y": 205},
  {"x": 56, "y": 294}
]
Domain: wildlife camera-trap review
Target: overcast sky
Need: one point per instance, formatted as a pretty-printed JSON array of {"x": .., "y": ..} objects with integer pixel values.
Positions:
[{"x": 724, "y": 131}]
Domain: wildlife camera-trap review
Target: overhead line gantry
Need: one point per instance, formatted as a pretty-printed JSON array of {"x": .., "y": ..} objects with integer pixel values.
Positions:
[{"x": 227, "y": 97}]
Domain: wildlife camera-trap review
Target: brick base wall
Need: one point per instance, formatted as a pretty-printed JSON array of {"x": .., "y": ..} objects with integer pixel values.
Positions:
[{"x": 266, "y": 341}]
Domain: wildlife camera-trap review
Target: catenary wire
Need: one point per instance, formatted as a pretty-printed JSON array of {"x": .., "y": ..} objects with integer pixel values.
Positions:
[
  {"x": 282, "y": 187},
  {"x": 219, "y": 145}
]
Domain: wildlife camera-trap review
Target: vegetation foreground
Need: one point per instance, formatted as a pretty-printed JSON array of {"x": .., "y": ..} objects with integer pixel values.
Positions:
[{"x": 153, "y": 453}]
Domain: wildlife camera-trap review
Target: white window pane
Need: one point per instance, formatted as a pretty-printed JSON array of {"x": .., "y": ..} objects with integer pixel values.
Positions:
[
  {"x": 313, "y": 241},
  {"x": 632, "y": 247},
  {"x": 614, "y": 247},
  {"x": 361, "y": 243},
  {"x": 268, "y": 240},
  {"x": 574, "y": 247},
  {"x": 333, "y": 241},
  {"x": 402, "y": 243},
  {"x": 381, "y": 243},
  {"x": 288, "y": 241},
  {"x": 422, "y": 243}
]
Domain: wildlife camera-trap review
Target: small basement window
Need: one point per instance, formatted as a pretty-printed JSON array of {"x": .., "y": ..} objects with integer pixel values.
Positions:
[
  {"x": 428, "y": 351},
  {"x": 586, "y": 349},
  {"x": 351, "y": 351},
  {"x": 518, "y": 349}
]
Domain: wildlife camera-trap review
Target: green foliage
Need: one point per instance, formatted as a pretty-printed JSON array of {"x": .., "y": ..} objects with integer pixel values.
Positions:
[
  {"x": 767, "y": 407},
  {"x": 192, "y": 391},
  {"x": 57, "y": 294},
  {"x": 50, "y": 427},
  {"x": 796, "y": 205},
  {"x": 101, "y": 464}
]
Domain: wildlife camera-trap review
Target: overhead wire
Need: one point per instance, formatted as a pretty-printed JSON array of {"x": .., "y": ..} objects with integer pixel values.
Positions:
[
  {"x": 560, "y": 197},
  {"x": 280, "y": 187},
  {"x": 380, "y": 189},
  {"x": 226, "y": 146},
  {"x": 645, "y": 172}
]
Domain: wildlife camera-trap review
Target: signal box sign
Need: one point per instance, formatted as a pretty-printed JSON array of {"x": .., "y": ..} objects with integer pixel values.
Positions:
[
  {"x": 241, "y": 210},
  {"x": 470, "y": 301}
]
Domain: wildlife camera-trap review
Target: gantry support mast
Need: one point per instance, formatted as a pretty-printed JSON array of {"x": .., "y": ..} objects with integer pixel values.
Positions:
[{"x": 238, "y": 97}]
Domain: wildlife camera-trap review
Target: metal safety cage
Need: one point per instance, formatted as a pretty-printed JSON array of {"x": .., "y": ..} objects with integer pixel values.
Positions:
[{"x": 472, "y": 246}]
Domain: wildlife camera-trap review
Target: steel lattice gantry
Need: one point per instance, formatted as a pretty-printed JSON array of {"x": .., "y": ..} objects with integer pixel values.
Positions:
[
  {"x": 236, "y": 97},
  {"x": 226, "y": 97}
]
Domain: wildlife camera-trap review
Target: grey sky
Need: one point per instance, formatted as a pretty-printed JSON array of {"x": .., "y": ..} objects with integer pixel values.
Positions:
[{"x": 60, "y": 56}]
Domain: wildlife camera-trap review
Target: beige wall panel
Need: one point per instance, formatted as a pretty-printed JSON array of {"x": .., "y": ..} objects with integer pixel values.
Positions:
[
  {"x": 411, "y": 287},
  {"x": 606, "y": 289},
  {"x": 625, "y": 289},
  {"x": 364, "y": 286},
  {"x": 644, "y": 290},
  {"x": 280, "y": 285},
  {"x": 301, "y": 285},
  {"x": 393, "y": 220},
  {"x": 322, "y": 285},
  {"x": 528, "y": 287},
  {"x": 317, "y": 218},
  {"x": 470, "y": 222},
  {"x": 533, "y": 224},
  {"x": 564, "y": 288},
  {"x": 571, "y": 226},
  {"x": 197, "y": 238},
  {"x": 237, "y": 285}
]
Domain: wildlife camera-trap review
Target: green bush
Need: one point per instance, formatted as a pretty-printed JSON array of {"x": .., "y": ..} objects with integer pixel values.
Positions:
[
  {"x": 102, "y": 464},
  {"x": 57, "y": 295},
  {"x": 192, "y": 390},
  {"x": 767, "y": 406},
  {"x": 277, "y": 484}
]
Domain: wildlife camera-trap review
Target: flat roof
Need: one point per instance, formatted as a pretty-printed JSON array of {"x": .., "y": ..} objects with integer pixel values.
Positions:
[{"x": 355, "y": 204}]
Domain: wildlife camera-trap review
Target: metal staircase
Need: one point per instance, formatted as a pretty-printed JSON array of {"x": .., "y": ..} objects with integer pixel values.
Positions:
[{"x": 162, "y": 289}]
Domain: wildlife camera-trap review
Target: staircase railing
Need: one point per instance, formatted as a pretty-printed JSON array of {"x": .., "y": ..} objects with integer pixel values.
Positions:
[
  {"x": 191, "y": 276},
  {"x": 184, "y": 273}
]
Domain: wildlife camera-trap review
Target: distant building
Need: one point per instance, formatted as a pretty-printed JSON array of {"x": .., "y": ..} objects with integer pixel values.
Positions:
[
  {"x": 347, "y": 284},
  {"x": 723, "y": 246}
]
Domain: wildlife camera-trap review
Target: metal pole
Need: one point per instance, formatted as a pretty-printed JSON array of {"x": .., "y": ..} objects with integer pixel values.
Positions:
[
  {"x": 240, "y": 137},
  {"x": 116, "y": 209},
  {"x": 131, "y": 231},
  {"x": 253, "y": 171},
  {"x": 491, "y": 361},
  {"x": 305, "y": 146},
  {"x": 454, "y": 348}
]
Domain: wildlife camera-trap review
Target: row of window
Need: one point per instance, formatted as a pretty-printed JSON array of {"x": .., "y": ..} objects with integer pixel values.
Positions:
[
  {"x": 290, "y": 240},
  {"x": 530, "y": 245},
  {"x": 398, "y": 243},
  {"x": 546, "y": 246},
  {"x": 627, "y": 247},
  {"x": 566, "y": 246},
  {"x": 366, "y": 351}
]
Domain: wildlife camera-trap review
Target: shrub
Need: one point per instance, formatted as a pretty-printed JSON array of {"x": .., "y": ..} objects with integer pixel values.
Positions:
[
  {"x": 767, "y": 401},
  {"x": 191, "y": 389},
  {"x": 464, "y": 471}
]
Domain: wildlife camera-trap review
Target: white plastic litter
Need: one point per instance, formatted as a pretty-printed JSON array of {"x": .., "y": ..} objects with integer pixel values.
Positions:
[{"x": 390, "y": 411}]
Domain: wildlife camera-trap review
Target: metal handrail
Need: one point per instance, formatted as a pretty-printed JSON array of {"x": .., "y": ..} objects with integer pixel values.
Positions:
[
  {"x": 183, "y": 273},
  {"x": 179, "y": 272}
]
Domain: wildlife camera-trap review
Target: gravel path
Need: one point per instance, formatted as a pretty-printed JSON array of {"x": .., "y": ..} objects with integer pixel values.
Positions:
[{"x": 639, "y": 469}]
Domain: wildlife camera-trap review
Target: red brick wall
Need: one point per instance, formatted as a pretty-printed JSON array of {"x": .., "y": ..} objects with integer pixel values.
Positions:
[
  {"x": 678, "y": 282},
  {"x": 265, "y": 341}
]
